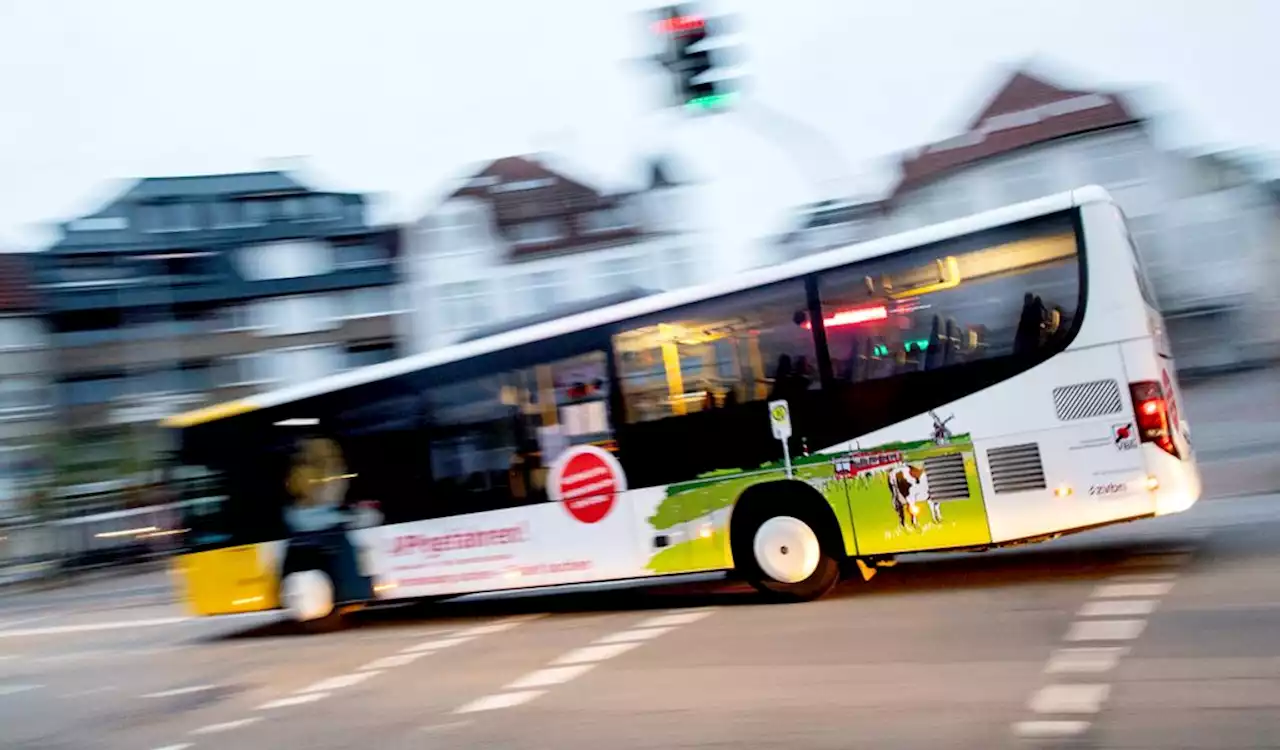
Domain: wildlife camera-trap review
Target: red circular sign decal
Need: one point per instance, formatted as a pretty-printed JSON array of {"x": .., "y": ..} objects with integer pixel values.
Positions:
[{"x": 587, "y": 482}]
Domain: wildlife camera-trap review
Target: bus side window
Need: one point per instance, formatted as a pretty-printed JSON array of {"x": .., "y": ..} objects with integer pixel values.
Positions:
[
  {"x": 746, "y": 347},
  {"x": 492, "y": 438}
]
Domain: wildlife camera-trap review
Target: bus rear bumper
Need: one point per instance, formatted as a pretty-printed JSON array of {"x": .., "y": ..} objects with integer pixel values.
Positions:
[{"x": 1178, "y": 483}]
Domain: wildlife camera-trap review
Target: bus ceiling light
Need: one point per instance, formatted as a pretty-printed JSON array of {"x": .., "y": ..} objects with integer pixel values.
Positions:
[
  {"x": 299, "y": 422},
  {"x": 1152, "y": 412},
  {"x": 853, "y": 317}
]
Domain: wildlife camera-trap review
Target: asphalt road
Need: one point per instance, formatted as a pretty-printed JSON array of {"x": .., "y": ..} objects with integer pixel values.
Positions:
[{"x": 1160, "y": 634}]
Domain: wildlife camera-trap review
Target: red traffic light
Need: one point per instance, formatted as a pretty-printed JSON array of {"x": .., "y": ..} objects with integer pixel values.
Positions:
[{"x": 678, "y": 24}]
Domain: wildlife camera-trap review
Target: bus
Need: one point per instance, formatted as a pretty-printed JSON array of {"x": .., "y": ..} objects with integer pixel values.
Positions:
[{"x": 998, "y": 379}]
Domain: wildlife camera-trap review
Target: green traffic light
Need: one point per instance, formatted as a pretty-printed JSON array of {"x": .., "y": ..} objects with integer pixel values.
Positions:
[{"x": 713, "y": 101}]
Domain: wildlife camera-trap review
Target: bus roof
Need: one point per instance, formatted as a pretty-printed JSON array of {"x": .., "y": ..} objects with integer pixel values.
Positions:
[{"x": 618, "y": 311}]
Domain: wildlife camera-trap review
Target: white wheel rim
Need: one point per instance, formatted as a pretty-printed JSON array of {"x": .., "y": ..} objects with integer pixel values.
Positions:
[
  {"x": 307, "y": 595},
  {"x": 786, "y": 549}
]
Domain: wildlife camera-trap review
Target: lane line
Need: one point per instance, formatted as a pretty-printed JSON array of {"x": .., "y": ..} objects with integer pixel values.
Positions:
[
  {"x": 1117, "y": 608},
  {"x": 15, "y": 689},
  {"x": 179, "y": 746},
  {"x": 292, "y": 700},
  {"x": 339, "y": 682},
  {"x": 1105, "y": 630},
  {"x": 181, "y": 691},
  {"x": 1131, "y": 590},
  {"x": 680, "y": 618},
  {"x": 499, "y": 700},
  {"x": 395, "y": 660},
  {"x": 548, "y": 676},
  {"x": 633, "y": 635},
  {"x": 438, "y": 644},
  {"x": 1081, "y": 660},
  {"x": 92, "y": 627},
  {"x": 1069, "y": 699},
  {"x": 1046, "y": 729},
  {"x": 595, "y": 653},
  {"x": 226, "y": 726}
]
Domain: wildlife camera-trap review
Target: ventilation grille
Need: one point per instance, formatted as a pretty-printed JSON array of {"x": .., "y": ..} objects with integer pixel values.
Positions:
[
  {"x": 946, "y": 477},
  {"x": 1016, "y": 468},
  {"x": 1087, "y": 399}
]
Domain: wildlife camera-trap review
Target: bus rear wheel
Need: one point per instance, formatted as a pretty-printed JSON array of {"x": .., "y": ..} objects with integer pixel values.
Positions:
[
  {"x": 788, "y": 562},
  {"x": 308, "y": 597}
]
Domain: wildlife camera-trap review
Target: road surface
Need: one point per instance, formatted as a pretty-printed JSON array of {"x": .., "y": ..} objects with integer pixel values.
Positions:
[{"x": 1160, "y": 634}]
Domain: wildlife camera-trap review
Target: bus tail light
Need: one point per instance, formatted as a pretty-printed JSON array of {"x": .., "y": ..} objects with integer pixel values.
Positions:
[{"x": 1152, "y": 412}]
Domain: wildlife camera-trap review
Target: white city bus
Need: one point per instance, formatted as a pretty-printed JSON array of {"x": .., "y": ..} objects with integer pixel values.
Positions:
[{"x": 996, "y": 379}]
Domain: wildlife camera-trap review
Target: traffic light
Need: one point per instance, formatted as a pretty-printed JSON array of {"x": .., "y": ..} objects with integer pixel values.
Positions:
[{"x": 683, "y": 33}]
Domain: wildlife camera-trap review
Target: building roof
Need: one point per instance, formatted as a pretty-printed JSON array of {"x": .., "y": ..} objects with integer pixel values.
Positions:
[
  {"x": 1026, "y": 111},
  {"x": 194, "y": 186},
  {"x": 17, "y": 284},
  {"x": 521, "y": 189}
]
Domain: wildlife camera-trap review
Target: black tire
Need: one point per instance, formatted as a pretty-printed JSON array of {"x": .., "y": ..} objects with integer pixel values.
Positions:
[{"x": 824, "y": 578}]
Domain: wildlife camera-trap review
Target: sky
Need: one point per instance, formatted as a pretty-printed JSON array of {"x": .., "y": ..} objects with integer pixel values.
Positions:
[{"x": 400, "y": 97}]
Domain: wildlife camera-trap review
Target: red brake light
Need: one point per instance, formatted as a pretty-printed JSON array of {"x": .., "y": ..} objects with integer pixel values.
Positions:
[{"x": 1152, "y": 411}]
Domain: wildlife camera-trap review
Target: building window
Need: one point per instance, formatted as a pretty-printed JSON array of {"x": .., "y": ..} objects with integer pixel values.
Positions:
[
  {"x": 604, "y": 220},
  {"x": 369, "y": 301},
  {"x": 1115, "y": 163},
  {"x": 616, "y": 275},
  {"x": 303, "y": 313},
  {"x": 746, "y": 347},
  {"x": 537, "y": 232},
  {"x": 358, "y": 256},
  {"x": 21, "y": 394},
  {"x": 680, "y": 267},
  {"x": 20, "y": 333},
  {"x": 463, "y": 305},
  {"x": 545, "y": 291},
  {"x": 365, "y": 354}
]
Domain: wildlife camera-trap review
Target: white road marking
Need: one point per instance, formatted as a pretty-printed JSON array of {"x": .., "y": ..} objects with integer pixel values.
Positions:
[
  {"x": 445, "y": 726},
  {"x": 548, "y": 676},
  {"x": 500, "y": 700},
  {"x": 226, "y": 725},
  {"x": 1070, "y": 699},
  {"x": 25, "y": 621},
  {"x": 292, "y": 700},
  {"x": 1117, "y": 608},
  {"x": 1131, "y": 590},
  {"x": 1100, "y": 659},
  {"x": 500, "y": 626},
  {"x": 179, "y": 746},
  {"x": 436, "y": 645},
  {"x": 680, "y": 618},
  {"x": 93, "y": 691},
  {"x": 1042, "y": 729},
  {"x": 633, "y": 635},
  {"x": 1105, "y": 630},
  {"x": 181, "y": 691},
  {"x": 595, "y": 653},
  {"x": 15, "y": 689},
  {"x": 395, "y": 660},
  {"x": 339, "y": 682},
  {"x": 90, "y": 627}
]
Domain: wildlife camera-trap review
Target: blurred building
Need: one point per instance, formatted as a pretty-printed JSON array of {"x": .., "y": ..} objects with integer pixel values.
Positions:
[
  {"x": 187, "y": 290},
  {"x": 25, "y": 408},
  {"x": 520, "y": 238},
  {"x": 1208, "y": 231}
]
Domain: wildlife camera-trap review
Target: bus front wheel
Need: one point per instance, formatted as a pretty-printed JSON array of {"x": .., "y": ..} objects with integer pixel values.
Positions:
[
  {"x": 308, "y": 597},
  {"x": 788, "y": 562}
]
